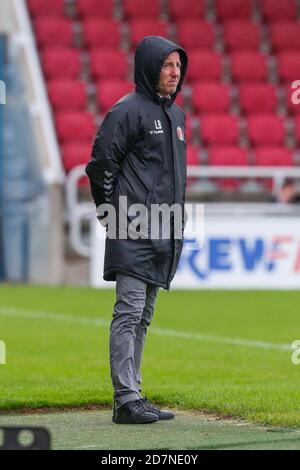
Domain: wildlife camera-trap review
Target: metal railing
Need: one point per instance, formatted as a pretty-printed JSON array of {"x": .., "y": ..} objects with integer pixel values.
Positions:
[{"x": 78, "y": 211}]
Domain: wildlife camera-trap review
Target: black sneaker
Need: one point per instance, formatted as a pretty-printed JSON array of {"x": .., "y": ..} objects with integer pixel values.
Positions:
[
  {"x": 134, "y": 412},
  {"x": 161, "y": 414}
]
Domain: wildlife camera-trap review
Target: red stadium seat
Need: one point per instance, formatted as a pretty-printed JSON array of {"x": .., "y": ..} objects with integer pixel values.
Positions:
[
  {"x": 180, "y": 100},
  {"x": 44, "y": 7},
  {"x": 192, "y": 159},
  {"x": 75, "y": 126},
  {"x": 274, "y": 156},
  {"x": 188, "y": 128},
  {"x": 67, "y": 95},
  {"x": 133, "y": 9},
  {"x": 205, "y": 65},
  {"x": 266, "y": 129},
  {"x": 75, "y": 153},
  {"x": 61, "y": 62},
  {"x": 109, "y": 92},
  {"x": 241, "y": 35},
  {"x": 228, "y": 184},
  {"x": 288, "y": 66},
  {"x": 109, "y": 63},
  {"x": 297, "y": 128},
  {"x": 228, "y": 156},
  {"x": 293, "y": 107},
  {"x": 219, "y": 129},
  {"x": 249, "y": 66},
  {"x": 211, "y": 97},
  {"x": 285, "y": 35},
  {"x": 141, "y": 28},
  {"x": 232, "y": 156},
  {"x": 54, "y": 31},
  {"x": 230, "y": 9},
  {"x": 194, "y": 34},
  {"x": 95, "y": 8},
  {"x": 180, "y": 9},
  {"x": 192, "y": 155},
  {"x": 258, "y": 98},
  {"x": 101, "y": 33},
  {"x": 276, "y": 10}
]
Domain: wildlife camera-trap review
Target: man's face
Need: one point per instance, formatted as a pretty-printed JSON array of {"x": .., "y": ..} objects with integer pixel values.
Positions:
[{"x": 169, "y": 74}]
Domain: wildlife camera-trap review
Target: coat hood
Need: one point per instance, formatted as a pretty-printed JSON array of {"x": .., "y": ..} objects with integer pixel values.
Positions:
[{"x": 150, "y": 55}]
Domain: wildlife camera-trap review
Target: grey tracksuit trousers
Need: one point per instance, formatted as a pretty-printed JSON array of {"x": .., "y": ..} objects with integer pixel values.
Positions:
[{"x": 133, "y": 312}]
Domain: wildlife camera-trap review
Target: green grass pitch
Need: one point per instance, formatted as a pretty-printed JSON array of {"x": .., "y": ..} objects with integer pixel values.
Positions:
[{"x": 226, "y": 352}]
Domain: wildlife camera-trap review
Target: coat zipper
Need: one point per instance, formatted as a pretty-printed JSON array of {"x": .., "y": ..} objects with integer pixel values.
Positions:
[{"x": 174, "y": 244}]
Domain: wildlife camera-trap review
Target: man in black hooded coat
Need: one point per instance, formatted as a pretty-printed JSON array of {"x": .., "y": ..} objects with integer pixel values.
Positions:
[{"x": 140, "y": 152}]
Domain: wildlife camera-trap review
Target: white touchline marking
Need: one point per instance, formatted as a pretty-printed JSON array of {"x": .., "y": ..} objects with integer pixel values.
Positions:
[
  {"x": 40, "y": 314},
  {"x": 84, "y": 447}
]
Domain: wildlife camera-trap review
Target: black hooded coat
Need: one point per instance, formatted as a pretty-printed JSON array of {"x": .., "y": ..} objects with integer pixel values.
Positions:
[{"x": 140, "y": 152}]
